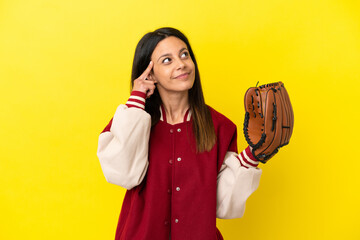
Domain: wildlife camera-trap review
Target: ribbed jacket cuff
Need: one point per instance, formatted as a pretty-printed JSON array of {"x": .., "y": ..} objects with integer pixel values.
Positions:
[
  {"x": 247, "y": 159},
  {"x": 136, "y": 99}
]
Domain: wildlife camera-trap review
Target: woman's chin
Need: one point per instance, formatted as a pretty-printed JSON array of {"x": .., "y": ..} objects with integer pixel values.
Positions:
[{"x": 181, "y": 87}]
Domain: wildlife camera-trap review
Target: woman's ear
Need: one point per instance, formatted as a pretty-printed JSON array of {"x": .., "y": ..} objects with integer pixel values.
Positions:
[{"x": 152, "y": 76}]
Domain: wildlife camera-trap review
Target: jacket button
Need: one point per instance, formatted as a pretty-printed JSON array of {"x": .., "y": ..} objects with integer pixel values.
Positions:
[
  {"x": 166, "y": 222},
  {"x": 177, "y": 189},
  {"x": 176, "y": 220},
  {"x": 170, "y": 161},
  {"x": 179, "y": 129},
  {"x": 169, "y": 191},
  {"x": 179, "y": 159}
]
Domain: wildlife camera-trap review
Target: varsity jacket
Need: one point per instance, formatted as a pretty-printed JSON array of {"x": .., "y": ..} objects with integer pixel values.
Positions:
[{"x": 173, "y": 192}]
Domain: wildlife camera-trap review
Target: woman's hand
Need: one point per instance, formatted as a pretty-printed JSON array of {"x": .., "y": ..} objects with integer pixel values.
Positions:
[{"x": 145, "y": 83}]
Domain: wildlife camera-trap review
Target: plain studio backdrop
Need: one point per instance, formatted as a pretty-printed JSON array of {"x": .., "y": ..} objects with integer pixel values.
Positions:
[{"x": 65, "y": 66}]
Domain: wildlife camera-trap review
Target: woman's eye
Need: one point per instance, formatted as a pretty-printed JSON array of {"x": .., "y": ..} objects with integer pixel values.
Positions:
[
  {"x": 184, "y": 54},
  {"x": 166, "y": 60}
]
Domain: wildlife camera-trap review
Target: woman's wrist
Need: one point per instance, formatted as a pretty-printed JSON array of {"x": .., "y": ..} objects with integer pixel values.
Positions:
[
  {"x": 247, "y": 159},
  {"x": 136, "y": 99}
]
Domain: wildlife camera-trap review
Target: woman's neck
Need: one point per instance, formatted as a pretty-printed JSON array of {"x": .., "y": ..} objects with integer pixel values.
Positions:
[{"x": 175, "y": 104}]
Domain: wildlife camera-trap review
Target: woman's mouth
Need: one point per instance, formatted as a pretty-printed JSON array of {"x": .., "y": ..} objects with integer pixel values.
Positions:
[{"x": 182, "y": 76}]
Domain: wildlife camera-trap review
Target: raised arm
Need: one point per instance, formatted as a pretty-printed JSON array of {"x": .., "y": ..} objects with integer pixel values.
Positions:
[{"x": 124, "y": 143}]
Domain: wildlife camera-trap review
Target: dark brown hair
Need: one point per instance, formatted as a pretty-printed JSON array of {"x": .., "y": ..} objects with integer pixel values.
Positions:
[{"x": 203, "y": 126}]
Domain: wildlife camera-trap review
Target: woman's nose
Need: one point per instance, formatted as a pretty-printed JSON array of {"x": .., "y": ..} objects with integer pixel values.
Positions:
[{"x": 180, "y": 64}]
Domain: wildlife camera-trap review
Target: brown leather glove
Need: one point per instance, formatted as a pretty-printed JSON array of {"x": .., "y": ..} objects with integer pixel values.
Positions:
[{"x": 269, "y": 119}]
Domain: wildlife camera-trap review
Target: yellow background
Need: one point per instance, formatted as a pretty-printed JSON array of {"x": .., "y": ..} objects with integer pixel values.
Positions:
[{"x": 65, "y": 66}]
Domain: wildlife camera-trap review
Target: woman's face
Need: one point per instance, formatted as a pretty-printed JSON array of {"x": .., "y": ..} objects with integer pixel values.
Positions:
[{"x": 173, "y": 67}]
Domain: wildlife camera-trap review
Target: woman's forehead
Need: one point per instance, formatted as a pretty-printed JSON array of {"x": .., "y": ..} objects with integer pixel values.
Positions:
[{"x": 169, "y": 45}]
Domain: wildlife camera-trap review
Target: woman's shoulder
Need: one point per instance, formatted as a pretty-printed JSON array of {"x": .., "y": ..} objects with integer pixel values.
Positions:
[{"x": 220, "y": 119}]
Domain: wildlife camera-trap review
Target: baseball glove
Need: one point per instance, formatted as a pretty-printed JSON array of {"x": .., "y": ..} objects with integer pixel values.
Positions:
[{"x": 269, "y": 119}]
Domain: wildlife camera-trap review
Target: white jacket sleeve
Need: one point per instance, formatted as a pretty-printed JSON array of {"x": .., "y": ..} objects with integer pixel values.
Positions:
[
  {"x": 237, "y": 180},
  {"x": 123, "y": 151}
]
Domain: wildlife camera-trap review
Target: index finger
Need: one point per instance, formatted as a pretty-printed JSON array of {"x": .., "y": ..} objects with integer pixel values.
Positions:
[{"x": 147, "y": 71}]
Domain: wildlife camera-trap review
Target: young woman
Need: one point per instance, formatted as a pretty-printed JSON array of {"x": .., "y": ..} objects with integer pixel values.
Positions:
[{"x": 177, "y": 157}]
